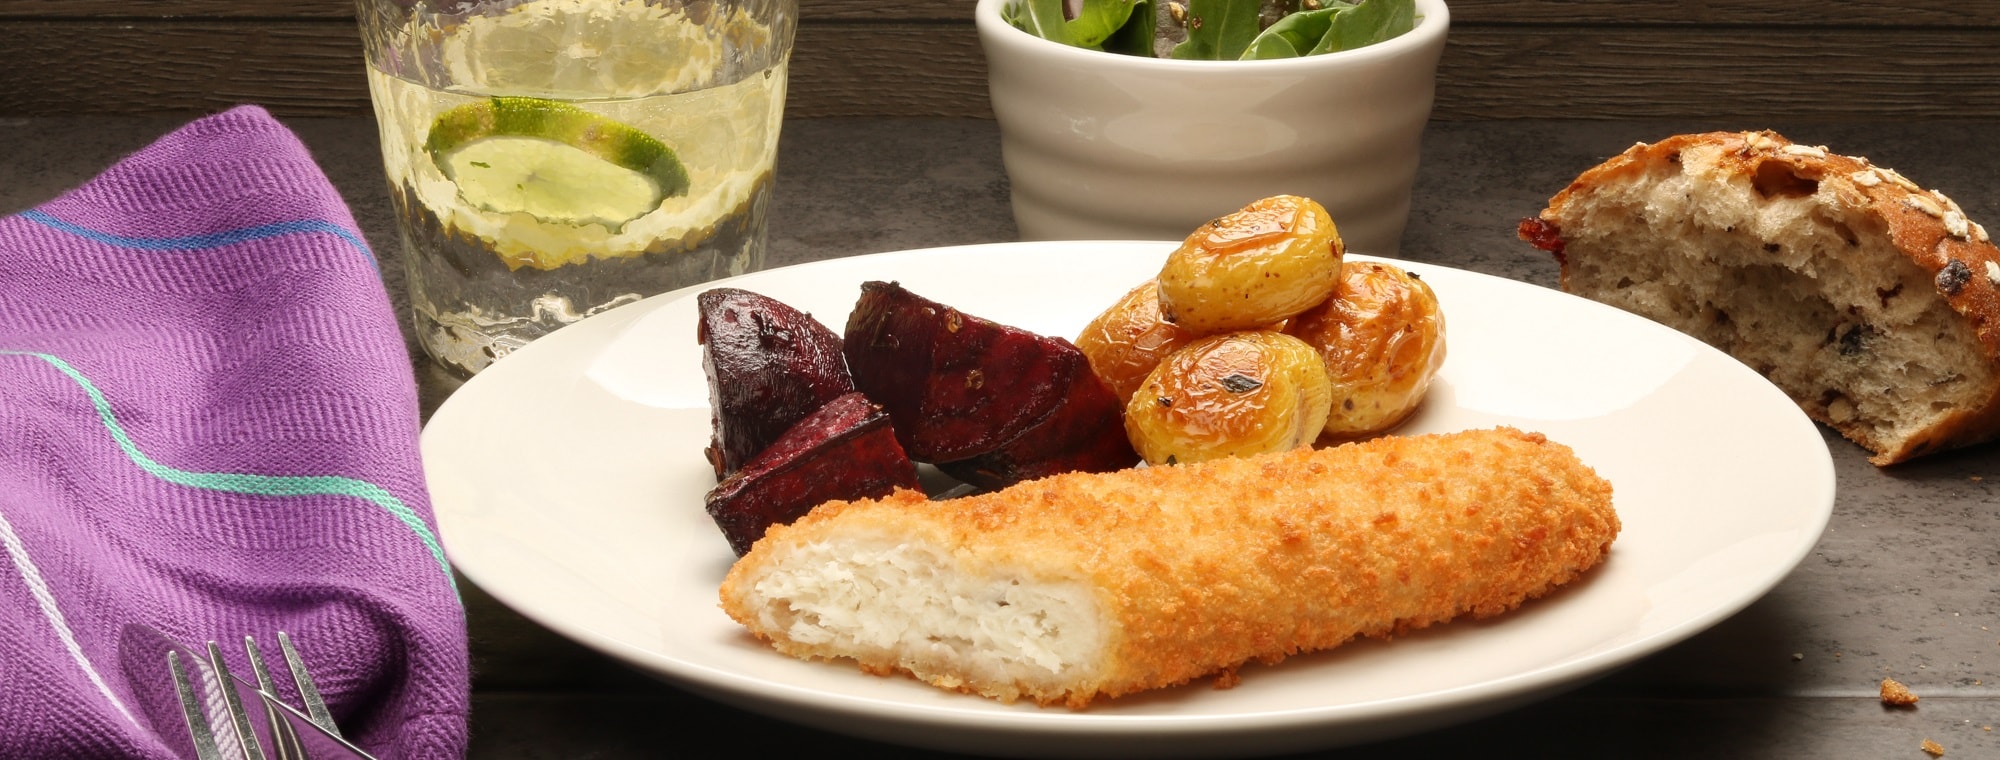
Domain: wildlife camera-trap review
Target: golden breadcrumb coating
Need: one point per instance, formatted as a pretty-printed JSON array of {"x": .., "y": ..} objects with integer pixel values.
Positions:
[
  {"x": 1895, "y": 694},
  {"x": 1189, "y": 570}
]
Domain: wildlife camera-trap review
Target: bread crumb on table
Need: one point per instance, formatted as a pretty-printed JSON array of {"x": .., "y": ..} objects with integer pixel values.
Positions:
[
  {"x": 1933, "y": 749},
  {"x": 1896, "y": 694}
]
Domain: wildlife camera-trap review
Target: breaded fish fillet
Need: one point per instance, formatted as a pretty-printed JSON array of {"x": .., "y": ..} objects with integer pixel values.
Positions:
[{"x": 1080, "y": 586}]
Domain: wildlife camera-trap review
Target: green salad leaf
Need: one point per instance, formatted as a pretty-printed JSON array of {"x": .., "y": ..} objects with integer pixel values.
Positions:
[
  {"x": 1042, "y": 18},
  {"x": 1294, "y": 35},
  {"x": 1098, "y": 25},
  {"x": 1216, "y": 29},
  {"x": 1338, "y": 26},
  {"x": 1135, "y": 37}
]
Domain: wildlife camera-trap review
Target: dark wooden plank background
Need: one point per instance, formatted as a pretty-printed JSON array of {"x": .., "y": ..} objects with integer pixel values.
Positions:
[{"x": 1507, "y": 59}]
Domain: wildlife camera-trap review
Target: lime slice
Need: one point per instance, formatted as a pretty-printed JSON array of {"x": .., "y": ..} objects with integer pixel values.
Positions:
[{"x": 554, "y": 161}]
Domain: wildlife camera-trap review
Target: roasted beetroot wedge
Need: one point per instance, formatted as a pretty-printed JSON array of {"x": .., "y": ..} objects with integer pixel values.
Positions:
[
  {"x": 769, "y": 365},
  {"x": 956, "y": 386},
  {"x": 845, "y": 450},
  {"x": 1086, "y": 433}
]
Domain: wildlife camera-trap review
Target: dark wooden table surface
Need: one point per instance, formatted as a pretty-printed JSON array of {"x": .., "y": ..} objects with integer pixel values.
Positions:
[
  {"x": 1905, "y": 583},
  {"x": 1507, "y": 59}
]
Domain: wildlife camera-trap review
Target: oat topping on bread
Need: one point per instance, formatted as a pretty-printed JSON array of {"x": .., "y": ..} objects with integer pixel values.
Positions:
[{"x": 1873, "y": 302}]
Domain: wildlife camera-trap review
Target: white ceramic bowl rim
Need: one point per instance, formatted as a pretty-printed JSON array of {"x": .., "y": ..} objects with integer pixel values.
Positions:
[{"x": 1433, "y": 21}]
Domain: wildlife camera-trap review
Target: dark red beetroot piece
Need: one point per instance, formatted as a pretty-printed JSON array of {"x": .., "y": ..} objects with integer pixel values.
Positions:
[
  {"x": 955, "y": 385},
  {"x": 769, "y": 365},
  {"x": 1086, "y": 433},
  {"x": 845, "y": 450}
]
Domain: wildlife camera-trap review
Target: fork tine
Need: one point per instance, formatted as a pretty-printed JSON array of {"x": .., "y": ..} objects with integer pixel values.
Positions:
[
  {"x": 198, "y": 729},
  {"x": 308, "y": 691},
  {"x": 285, "y": 741},
  {"x": 253, "y": 748},
  {"x": 257, "y": 666}
]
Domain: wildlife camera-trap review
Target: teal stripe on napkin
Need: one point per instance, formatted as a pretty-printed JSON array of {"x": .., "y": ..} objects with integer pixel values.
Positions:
[
  {"x": 209, "y": 240},
  {"x": 250, "y": 483}
]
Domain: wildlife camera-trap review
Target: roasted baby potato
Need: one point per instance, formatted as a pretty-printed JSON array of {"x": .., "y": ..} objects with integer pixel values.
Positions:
[
  {"x": 1234, "y": 394},
  {"x": 1383, "y": 339},
  {"x": 1129, "y": 339},
  {"x": 1275, "y": 258}
]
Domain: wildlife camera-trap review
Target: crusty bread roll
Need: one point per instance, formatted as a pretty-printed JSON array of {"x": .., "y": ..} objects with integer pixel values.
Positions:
[
  {"x": 1874, "y": 303},
  {"x": 1087, "y": 585}
]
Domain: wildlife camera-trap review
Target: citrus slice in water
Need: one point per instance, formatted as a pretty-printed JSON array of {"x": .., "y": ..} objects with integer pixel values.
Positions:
[{"x": 554, "y": 161}]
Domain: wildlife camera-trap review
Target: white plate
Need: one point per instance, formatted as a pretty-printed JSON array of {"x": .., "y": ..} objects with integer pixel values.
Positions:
[{"x": 568, "y": 483}]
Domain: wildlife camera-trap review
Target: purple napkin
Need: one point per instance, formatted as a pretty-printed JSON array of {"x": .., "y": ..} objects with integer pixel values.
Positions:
[{"x": 208, "y": 424}]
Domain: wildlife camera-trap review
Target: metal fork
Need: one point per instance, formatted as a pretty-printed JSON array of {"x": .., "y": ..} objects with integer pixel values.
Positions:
[{"x": 292, "y": 734}]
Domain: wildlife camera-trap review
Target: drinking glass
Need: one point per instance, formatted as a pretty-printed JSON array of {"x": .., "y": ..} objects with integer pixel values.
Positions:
[{"x": 552, "y": 159}]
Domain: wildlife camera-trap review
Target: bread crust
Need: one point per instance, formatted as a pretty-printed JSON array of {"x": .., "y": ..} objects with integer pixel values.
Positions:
[{"x": 1925, "y": 226}]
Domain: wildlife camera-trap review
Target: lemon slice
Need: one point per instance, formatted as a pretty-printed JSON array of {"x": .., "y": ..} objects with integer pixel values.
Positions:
[{"x": 554, "y": 161}]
